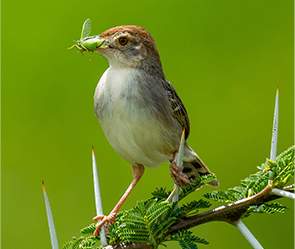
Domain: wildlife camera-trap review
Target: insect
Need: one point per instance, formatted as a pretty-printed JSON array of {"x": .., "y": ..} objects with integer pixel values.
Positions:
[{"x": 87, "y": 42}]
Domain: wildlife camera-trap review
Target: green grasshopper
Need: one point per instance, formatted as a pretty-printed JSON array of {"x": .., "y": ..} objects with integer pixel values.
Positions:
[{"x": 85, "y": 42}]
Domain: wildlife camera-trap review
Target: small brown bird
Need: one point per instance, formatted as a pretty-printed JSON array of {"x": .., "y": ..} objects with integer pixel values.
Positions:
[{"x": 139, "y": 110}]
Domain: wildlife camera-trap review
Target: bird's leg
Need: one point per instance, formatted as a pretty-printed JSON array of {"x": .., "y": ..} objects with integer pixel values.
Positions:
[
  {"x": 176, "y": 173},
  {"x": 137, "y": 174}
]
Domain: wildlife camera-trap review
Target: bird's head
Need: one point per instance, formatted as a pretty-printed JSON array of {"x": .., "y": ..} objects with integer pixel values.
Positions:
[{"x": 129, "y": 46}]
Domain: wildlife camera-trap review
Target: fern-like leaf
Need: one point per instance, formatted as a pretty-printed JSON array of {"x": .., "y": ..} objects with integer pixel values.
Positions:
[
  {"x": 220, "y": 196},
  {"x": 156, "y": 211},
  {"x": 68, "y": 245},
  {"x": 192, "y": 207},
  {"x": 198, "y": 184},
  {"x": 77, "y": 243},
  {"x": 187, "y": 244},
  {"x": 89, "y": 242},
  {"x": 161, "y": 194},
  {"x": 268, "y": 208},
  {"x": 187, "y": 240},
  {"x": 89, "y": 229}
]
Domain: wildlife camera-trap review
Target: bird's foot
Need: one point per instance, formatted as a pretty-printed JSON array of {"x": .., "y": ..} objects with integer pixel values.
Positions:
[
  {"x": 104, "y": 219},
  {"x": 177, "y": 176}
]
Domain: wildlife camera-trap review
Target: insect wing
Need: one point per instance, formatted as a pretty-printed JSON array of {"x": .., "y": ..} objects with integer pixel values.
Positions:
[{"x": 86, "y": 29}]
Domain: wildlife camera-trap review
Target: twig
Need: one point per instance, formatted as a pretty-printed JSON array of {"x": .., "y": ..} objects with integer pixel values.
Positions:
[{"x": 229, "y": 213}]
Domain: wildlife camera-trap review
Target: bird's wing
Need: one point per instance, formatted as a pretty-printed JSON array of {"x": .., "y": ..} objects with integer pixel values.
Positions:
[{"x": 179, "y": 111}]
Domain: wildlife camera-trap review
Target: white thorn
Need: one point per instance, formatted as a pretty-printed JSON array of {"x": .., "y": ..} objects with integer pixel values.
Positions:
[
  {"x": 283, "y": 193},
  {"x": 274, "y": 140},
  {"x": 172, "y": 194},
  {"x": 248, "y": 235},
  {"x": 52, "y": 231},
  {"x": 179, "y": 163},
  {"x": 98, "y": 202},
  {"x": 175, "y": 197}
]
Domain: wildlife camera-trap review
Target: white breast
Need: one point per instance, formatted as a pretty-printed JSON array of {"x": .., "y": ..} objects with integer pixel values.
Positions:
[{"x": 128, "y": 123}]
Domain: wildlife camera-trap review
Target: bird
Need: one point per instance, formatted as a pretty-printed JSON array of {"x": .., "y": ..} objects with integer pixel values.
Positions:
[{"x": 140, "y": 112}]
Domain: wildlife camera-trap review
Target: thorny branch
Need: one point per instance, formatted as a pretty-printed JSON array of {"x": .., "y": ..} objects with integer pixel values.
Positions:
[{"x": 229, "y": 213}]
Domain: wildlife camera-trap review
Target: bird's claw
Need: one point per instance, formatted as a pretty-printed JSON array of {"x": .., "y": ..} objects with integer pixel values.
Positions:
[
  {"x": 104, "y": 219},
  {"x": 177, "y": 176}
]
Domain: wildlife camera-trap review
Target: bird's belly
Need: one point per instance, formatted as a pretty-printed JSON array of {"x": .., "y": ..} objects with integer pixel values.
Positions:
[
  {"x": 137, "y": 127},
  {"x": 137, "y": 137}
]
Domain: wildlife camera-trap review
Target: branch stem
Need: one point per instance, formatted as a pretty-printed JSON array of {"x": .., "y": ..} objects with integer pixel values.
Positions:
[{"x": 229, "y": 213}]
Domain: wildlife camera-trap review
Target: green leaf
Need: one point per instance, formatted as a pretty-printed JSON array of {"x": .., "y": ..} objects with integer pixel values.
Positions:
[
  {"x": 268, "y": 208},
  {"x": 192, "y": 207},
  {"x": 220, "y": 196},
  {"x": 199, "y": 183},
  {"x": 187, "y": 240},
  {"x": 156, "y": 211},
  {"x": 89, "y": 242},
  {"x": 77, "y": 243},
  {"x": 161, "y": 194},
  {"x": 68, "y": 245},
  {"x": 89, "y": 229},
  {"x": 187, "y": 244}
]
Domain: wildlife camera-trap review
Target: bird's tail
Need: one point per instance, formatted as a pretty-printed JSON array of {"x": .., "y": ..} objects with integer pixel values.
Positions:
[{"x": 196, "y": 169}]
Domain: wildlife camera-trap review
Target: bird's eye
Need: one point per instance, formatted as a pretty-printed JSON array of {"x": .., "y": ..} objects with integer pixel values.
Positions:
[{"x": 123, "y": 41}]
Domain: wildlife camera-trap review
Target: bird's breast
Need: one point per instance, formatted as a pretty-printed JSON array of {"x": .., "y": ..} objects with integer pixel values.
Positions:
[{"x": 118, "y": 93}]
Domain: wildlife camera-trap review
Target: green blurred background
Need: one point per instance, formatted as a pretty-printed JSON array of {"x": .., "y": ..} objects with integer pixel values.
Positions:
[{"x": 225, "y": 58}]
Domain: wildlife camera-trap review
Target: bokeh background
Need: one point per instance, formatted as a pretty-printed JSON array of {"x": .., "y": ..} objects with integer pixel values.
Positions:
[{"x": 225, "y": 58}]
